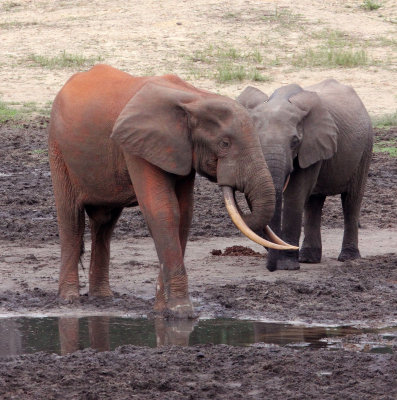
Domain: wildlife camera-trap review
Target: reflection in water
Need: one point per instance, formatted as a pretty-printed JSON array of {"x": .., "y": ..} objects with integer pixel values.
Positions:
[
  {"x": 173, "y": 332},
  {"x": 68, "y": 334},
  {"x": 11, "y": 341}
]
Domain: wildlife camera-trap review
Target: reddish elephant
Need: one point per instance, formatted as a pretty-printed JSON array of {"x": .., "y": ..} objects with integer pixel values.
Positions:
[{"x": 117, "y": 141}]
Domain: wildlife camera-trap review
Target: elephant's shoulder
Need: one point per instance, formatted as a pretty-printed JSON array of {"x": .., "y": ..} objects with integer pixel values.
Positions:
[
  {"x": 174, "y": 81},
  {"x": 330, "y": 87}
]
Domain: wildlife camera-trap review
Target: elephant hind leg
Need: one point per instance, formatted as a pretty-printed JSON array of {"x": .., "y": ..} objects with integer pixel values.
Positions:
[
  {"x": 102, "y": 222},
  {"x": 351, "y": 204},
  {"x": 70, "y": 215},
  {"x": 311, "y": 250}
]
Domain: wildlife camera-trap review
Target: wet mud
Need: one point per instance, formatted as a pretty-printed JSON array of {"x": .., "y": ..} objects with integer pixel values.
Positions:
[
  {"x": 27, "y": 210},
  {"x": 202, "y": 372},
  {"x": 233, "y": 283}
]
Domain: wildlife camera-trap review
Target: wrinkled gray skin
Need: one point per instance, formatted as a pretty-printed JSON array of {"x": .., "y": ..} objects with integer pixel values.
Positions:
[{"x": 322, "y": 136}]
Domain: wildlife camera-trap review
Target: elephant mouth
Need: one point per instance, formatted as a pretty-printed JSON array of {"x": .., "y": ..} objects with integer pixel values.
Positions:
[{"x": 232, "y": 209}]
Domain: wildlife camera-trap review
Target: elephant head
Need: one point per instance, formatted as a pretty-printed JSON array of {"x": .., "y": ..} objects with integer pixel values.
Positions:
[
  {"x": 295, "y": 130},
  {"x": 181, "y": 128}
]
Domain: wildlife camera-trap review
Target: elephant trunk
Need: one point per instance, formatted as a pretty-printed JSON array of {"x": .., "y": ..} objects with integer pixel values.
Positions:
[
  {"x": 259, "y": 190},
  {"x": 260, "y": 195}
]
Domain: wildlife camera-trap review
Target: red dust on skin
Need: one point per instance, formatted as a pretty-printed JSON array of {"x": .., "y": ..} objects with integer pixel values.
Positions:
[{"x": 112, "y": 128}]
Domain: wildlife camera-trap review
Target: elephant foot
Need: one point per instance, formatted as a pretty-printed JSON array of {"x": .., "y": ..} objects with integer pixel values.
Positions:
[
  {"x": 100, "y": 291},
  {"x": 68, "y": 294},
  {"x": 349, "y": 253},
  {"x": 288, "y": 264},
  {"x": 284, "y": 264},
  {"x": 283, "y": 260},
  {"x": 271, "y": 266},
  {"x": 310, "y": 255},
  {"x": 175, "y": 308}
]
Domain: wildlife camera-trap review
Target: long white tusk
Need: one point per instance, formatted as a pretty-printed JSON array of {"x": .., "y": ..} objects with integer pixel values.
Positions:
[
  {"x": 286, "y": 183},
  {"x": 242, "y": 226},
  {"x": 274, "y": 237}
]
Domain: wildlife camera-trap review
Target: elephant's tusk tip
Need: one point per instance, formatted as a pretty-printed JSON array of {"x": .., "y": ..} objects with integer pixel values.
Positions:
[{"x": 238, "y": 221}]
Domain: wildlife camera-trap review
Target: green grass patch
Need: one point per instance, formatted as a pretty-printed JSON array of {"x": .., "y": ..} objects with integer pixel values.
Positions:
[
  {"x": 7, "y": 113},
  {"x": 334, "y": 38},
  {"x": 335, "y": 49},
  {"x": 62, "y": 60},
  {"x": 283, "y": 17},
  {"x": 229, "y": 72},
  {"x": 17, "y": 24},
  {"x": 9, "y": 5},
  {"x": 370, "y": 5},
  {"x": 227, "y": 63},
  {"x": 386, "y": 146},
  {"x": 331, "y": 57},
  {"x": 17, "y": 112},
  {"x": 385, "y": 121}
]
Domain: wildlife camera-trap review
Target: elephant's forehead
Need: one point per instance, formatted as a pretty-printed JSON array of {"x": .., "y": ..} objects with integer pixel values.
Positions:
[{"x": 276, "y": 115}]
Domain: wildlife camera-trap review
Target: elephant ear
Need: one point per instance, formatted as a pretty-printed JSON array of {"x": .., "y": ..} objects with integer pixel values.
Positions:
[
  {"x": 154, "y": 125},
  {"x": 320, "y": 133},
  {"x": 251, "y": 97}
]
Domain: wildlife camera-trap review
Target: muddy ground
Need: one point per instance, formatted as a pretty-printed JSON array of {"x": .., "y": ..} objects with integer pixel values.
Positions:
[{"x": 225, "y": 281}]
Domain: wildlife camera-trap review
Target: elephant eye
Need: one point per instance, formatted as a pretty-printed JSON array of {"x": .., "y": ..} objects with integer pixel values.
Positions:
[
  {"x": 224, "y": 143},
  {"x": 294, "y": 142}
]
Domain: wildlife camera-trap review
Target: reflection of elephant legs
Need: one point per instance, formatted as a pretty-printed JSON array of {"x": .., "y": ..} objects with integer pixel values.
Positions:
[
  {"x": 312, "y": 247},
  {"x": 173, "y": 332},
  {"x": 102, "y": 221},
  {"x": 68, "y": 334},
  {"x": 98, "y": 328}
]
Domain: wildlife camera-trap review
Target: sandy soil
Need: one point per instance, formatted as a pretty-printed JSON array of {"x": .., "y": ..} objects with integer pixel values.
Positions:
[{"x": 154, "y": 37}]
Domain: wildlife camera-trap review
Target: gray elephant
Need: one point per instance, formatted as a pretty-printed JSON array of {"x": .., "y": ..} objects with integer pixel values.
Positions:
[{"x": 320, "y": 139}]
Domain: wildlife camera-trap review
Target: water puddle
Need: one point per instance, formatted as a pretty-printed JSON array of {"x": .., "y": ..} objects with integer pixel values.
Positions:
[{"x": 64, "y": 335}]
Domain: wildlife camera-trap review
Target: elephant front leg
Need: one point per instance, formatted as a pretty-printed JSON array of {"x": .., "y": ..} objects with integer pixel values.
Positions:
[
  {"x": 156, "y": 194},
  {"x": 312, "y": 248},
  {"x": 292, "y": 221},
  {"x": 294, "y": 201},
  {"x": 296, "y": 195}
]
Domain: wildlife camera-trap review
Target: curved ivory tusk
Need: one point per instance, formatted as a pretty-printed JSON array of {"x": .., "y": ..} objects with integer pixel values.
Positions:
[
  {"x": 286, "y": 183},
  {"x": 274, "y": 237},
  {"x": 242, "y": 226}
]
